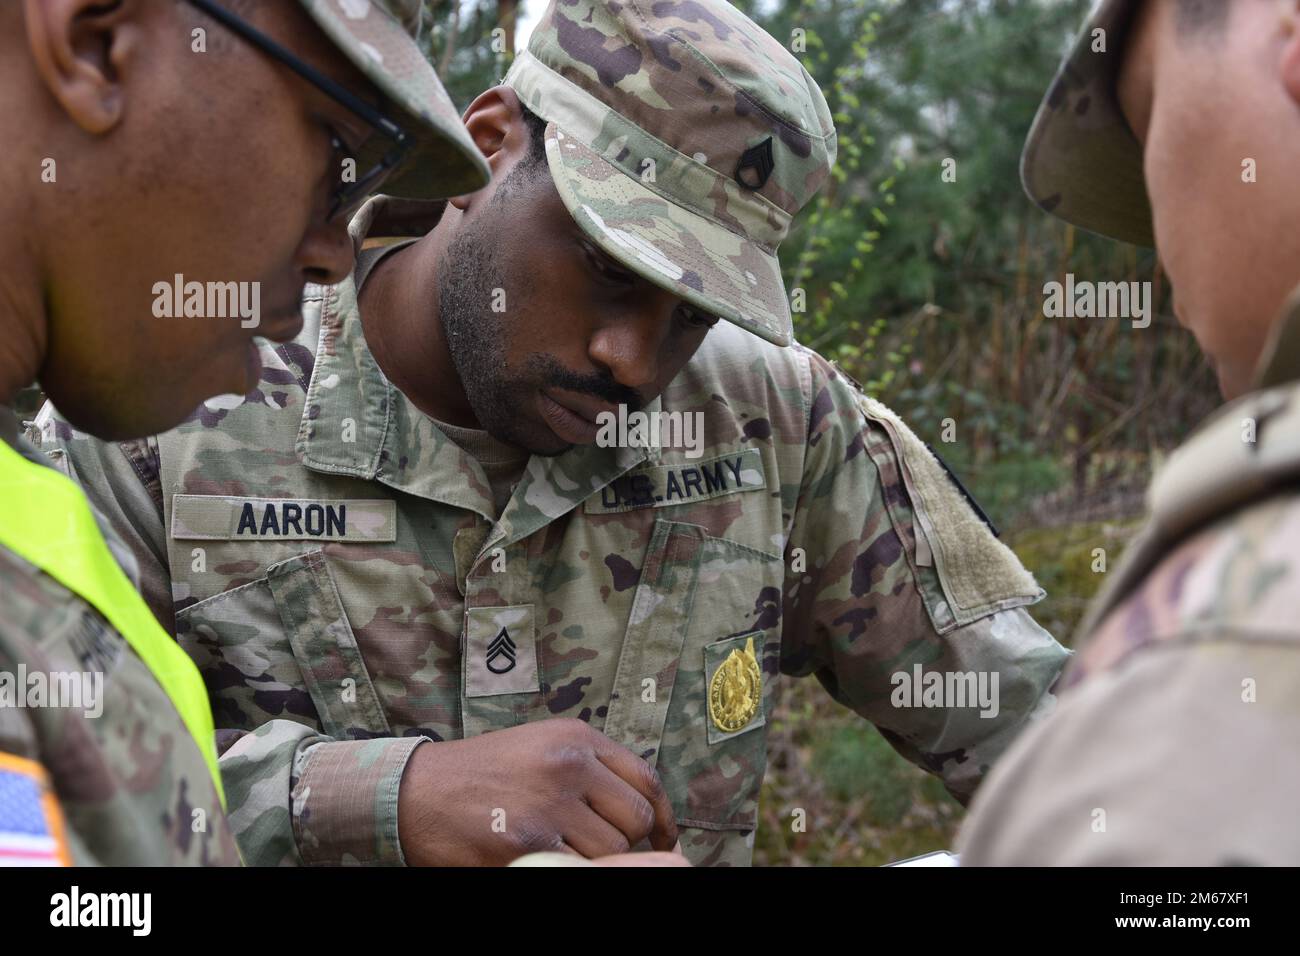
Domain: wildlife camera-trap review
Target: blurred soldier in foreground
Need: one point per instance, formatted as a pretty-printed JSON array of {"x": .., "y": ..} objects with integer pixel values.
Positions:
[
  {"x": 133, "y": 159},
  {"x": 1177, "y": 740},
  {"x": 415, "y": 545}
]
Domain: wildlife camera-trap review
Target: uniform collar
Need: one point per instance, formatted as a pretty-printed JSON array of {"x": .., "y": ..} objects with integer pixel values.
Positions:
[
  {"x": 9, "y": 430},
  {"x": 356, "y": 423},
  {"x": 1280, "y": 362},
  {"x": 11, "y": 433}
]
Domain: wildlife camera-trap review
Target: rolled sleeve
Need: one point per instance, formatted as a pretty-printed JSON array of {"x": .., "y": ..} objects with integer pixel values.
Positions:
[{"x": 345, "y": 801}]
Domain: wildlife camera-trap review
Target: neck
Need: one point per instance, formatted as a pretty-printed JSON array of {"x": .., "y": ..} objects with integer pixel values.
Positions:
[
  {"x": 400, "y": 315},
  {"x": 23, "y": 318},
  {"x": 28, "y": 211}
]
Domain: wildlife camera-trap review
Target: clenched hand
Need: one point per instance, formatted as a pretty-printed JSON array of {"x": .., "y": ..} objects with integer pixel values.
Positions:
[{"x": 551, "y": 785}]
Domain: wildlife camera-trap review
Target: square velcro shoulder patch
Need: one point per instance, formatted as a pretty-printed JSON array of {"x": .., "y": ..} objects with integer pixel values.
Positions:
[{"x": 32, "y": 831}]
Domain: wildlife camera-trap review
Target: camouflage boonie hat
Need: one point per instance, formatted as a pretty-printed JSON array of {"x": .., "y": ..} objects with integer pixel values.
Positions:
[
  {"x": 1081, "y": 162},
  {"x": 378, "y": 36},
  {"x": 683, "y": 139}
]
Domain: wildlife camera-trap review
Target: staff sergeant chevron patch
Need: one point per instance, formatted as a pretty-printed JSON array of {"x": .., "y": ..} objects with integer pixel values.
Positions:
[{"x": 500, "y": 651}]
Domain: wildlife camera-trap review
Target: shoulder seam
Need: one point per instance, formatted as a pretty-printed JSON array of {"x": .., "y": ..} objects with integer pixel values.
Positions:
[{"x": 806, "y": 397}]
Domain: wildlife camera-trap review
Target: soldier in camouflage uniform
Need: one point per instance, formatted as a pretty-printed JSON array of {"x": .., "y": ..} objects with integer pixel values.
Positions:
[
  {"x": 96, "y": 208},
  {"x": 408, "y": 551},
  {"x": 1175, "y": 740}
]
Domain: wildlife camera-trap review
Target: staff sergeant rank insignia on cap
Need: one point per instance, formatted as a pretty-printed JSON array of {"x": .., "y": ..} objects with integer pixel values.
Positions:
[
  {"x": 756, "y": 165},
  {"x": 735, "y": 690}
]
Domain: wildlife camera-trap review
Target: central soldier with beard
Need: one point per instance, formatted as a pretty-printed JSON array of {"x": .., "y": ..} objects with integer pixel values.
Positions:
[{"x": 523, "y": 640}]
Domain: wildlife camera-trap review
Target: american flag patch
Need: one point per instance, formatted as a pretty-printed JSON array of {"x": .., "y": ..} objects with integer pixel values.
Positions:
[{"x": 31, "y": 824}]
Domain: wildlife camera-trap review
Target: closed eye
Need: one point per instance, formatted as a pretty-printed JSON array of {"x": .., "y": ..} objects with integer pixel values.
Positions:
[
  {"x": 695, "y": 320},
  {"x": 610, "y": 272},
  {"x": 604, "y": 267}
]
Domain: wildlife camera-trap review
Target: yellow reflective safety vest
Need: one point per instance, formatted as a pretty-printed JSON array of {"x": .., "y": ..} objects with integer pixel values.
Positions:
[{"x": 46, "y": 520}]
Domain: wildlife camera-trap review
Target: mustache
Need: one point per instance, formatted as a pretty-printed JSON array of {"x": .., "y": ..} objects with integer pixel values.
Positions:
[{"x": 553, "y": 374}]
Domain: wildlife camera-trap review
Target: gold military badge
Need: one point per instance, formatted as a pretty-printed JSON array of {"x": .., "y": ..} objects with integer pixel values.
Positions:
[{"x": 736, "y": 689}]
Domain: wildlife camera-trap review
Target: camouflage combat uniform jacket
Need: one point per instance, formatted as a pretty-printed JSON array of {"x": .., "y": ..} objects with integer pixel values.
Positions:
[
  {"x": 1177, "y": 737},
  {"x": 130, "y": 786},
  {"x": 337, "y": 571}
]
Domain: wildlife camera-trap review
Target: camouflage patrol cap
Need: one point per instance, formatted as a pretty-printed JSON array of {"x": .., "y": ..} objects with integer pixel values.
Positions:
[
  {"x": 1082, "y": 162},
  {"x": 683, "y": 139},
  {"x": 378, "y": 37}
]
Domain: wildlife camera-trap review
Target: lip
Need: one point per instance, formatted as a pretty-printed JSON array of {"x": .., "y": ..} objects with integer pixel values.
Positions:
[
  {"x": 569, "y": 425},
  {"x": 283, "y": 326},
  {"x": 584, "y": 406}
]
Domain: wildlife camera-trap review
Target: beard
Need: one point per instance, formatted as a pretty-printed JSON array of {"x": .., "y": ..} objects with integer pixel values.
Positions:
[
  {"x": 475, "y": 335},
  {"x": 504, "y": 397}
]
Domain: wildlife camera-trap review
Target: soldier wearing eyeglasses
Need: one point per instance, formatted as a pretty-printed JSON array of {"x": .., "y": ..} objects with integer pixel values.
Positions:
[{"x": 152, "y": 141}]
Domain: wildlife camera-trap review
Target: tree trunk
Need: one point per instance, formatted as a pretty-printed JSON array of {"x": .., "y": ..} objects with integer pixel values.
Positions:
[{"x": 507, "y": 11}]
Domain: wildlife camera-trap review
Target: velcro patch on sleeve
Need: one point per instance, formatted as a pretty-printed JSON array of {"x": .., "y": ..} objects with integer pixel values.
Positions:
[
  {"x": 32, "y": 831},
  {"x": 233, "y": 518},
  {"x": 978, "y": 573},
  {"x": 658, "y": 486}
]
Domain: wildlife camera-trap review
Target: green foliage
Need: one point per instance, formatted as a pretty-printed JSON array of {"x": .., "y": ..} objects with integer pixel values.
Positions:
[
  {"x": 857, "y": 761},
  {"x": 457, "y": 36},
  {"x": 1062, "y": 558},
  {"x": 927, "y": 288},
  {"x": 858, "y": 802},
  {"x": 1003, "y": 485}
]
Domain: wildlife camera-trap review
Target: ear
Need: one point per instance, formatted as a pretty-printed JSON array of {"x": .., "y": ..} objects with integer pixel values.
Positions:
[
  {"x": 495, "y": 122},
  {"x": 79, "y": 48},
  {"x": 1291, "y": 51}
]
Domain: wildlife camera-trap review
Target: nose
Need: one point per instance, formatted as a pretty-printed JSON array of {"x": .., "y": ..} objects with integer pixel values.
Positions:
[
  {"x": 629, "y": 343},
  {"x": 325, "y": 255}
]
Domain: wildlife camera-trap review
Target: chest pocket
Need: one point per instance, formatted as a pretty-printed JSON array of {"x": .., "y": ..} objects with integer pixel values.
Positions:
[
  {"x": 281, "y": 647},
  {"x": 704, "y": 626}
]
